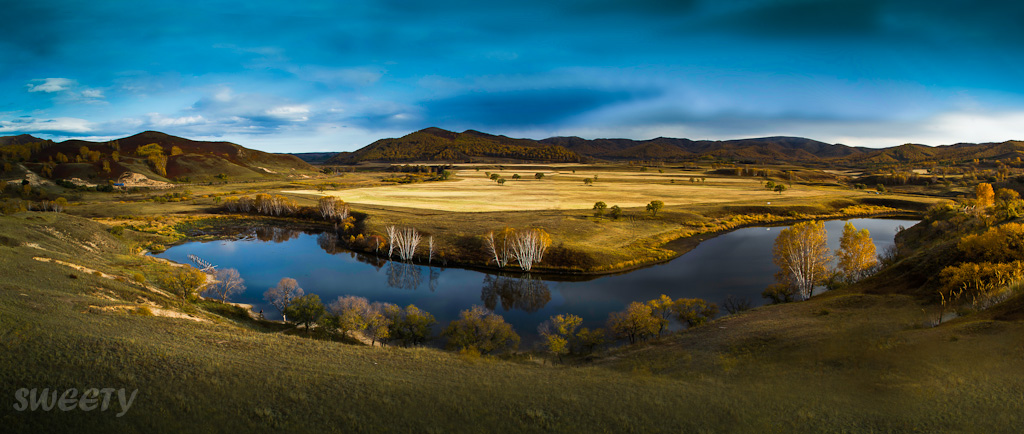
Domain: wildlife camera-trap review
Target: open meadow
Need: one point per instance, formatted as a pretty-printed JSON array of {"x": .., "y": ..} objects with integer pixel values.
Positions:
[{"x": 473, "y": 191}]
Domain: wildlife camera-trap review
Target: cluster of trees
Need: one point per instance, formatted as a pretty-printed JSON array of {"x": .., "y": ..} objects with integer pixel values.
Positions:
[
  {"x": 20, "y": 197},
  {"x": 645, "y": 320},
  {"x": 496, "y": 177},
  {"x": 332, "y": 208},
  {"x": 990, "y": 265},
  {"x": 22, "y": 152},
  {"x": 615, "y": 211},
  {"x": 154, "y": 154},
  {"x": 479, "y": 329},
  {"x": 771, "y": 185},
  {"x": 525, "y": 246},
  {"x": 405, "y": 241},
  {"x": 803, "y": 257},
  {"x": 262, "y": 203}
]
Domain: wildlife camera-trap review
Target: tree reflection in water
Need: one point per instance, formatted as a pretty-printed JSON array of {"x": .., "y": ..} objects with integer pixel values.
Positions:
[
  {"x": 434, "y": 274},
  {"x": 523, "y": 293},
  {"x": 329, "y": 242},
  {"x": 403, "y": 275},
  {"x": 275, "y": 233}
]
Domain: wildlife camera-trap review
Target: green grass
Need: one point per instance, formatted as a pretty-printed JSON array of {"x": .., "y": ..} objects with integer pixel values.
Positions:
[{"x": 869, "y": 365}]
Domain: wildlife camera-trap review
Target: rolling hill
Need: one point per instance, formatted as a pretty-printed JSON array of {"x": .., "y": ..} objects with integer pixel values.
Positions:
[
  {"x": 180, "y": 158},
  {"x": 435, "y": 144}
]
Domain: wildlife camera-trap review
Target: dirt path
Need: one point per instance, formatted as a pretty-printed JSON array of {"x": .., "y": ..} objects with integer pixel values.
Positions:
[{"x": 101, "y": 274}]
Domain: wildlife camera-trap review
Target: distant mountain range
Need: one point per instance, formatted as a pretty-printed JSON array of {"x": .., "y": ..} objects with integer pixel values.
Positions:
[
  {"x": 191, "y": 159},
  {"x": 199, "y": 160},
  {"x": 435, "y": 144}
]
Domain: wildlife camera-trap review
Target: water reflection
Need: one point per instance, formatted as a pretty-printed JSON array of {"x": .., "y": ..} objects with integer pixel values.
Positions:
[
  {"x": 524, "y": 293},
  {"x": 329, "y": 242},
  {"x": 403, "y": 275},
  {"x": 325, "y": 268},
  {"x": 434, "y": 275},
  {"x": 275, "y": 234}
]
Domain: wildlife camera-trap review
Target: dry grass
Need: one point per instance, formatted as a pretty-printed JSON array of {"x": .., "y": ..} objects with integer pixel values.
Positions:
[
  {"x": 841, "y": 362},
  {"x": 473, "y": 192}
]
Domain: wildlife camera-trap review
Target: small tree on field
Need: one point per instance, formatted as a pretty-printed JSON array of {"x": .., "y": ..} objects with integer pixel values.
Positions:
[
  {"x": 538, "y": 175},
  {"x": 349, "y": 313},
  {"x": 495, "y": 176},
  {"x": 589, "y": 339},
  {"x": 501, "y": 181},
  {"x": 409, "y": 326},
  {"x": 636, "y": 323},
  {"x": 480, "y": 329},
  {"x": 516, "y": 177},
  {"x": 599, "y": 208},
  {"x": 779, "y": 188},
  {"x": 769, "y": 185},
  {"x": 615, "y": 212},
  {"x": 306, "y": 310},
  {"x": 228, "y": 283},
  {"x": 559, "y": 333},
  {"x": 693, "y": 311},
  {"x": 661, "y": 308},
  {"x": 185, "y": 281},
  {"x": 655, "y": 206},
  {"x": 588, "y": 181},
  {"x": 282, "y": 295}
]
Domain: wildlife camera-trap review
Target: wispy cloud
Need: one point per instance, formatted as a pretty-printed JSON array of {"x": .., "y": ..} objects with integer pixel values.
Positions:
[
  {"x": 50, "y": 85},
  {"x": 56, "y": 126}
]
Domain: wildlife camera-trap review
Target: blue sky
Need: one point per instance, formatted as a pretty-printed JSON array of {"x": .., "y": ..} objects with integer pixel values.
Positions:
[{"x": 329, "y": 76}]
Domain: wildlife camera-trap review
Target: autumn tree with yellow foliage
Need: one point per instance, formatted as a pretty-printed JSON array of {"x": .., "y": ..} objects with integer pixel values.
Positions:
[
  {"x": 801, "y": 252},
  {"x": 986, "y": 196},
  {"x": 856, "y": 255},
  {"x": 559, "y": 333}
]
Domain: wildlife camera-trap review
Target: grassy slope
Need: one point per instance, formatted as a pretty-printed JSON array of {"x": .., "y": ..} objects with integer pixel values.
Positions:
[{"x": 841, "y": 362}]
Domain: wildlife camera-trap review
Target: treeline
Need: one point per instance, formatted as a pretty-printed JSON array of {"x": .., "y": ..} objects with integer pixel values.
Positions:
[
  {"x": 478, "y": 329},
  {"x": 328, "y": 208},
  {"x": 21, "y": 197}
]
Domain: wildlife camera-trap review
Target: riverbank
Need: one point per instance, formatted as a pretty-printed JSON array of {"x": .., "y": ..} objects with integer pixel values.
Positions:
[{"x": 222, "y": 227}]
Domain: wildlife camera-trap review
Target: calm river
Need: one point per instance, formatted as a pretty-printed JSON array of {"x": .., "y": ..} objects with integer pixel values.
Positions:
[{"x": 738, "y": 263}]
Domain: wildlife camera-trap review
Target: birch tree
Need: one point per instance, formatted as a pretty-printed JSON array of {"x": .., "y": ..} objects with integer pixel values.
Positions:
[
  {"x": 801, "y": 252},
  {"x": 332, "y": 208},
  {"x": 406, "y": 241},
  {"x": 499, "y": 245},
  {"x": 529, "y": 245},
  {"x": 856, "y": 254},
  {"x": 392, "y": 234}
]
